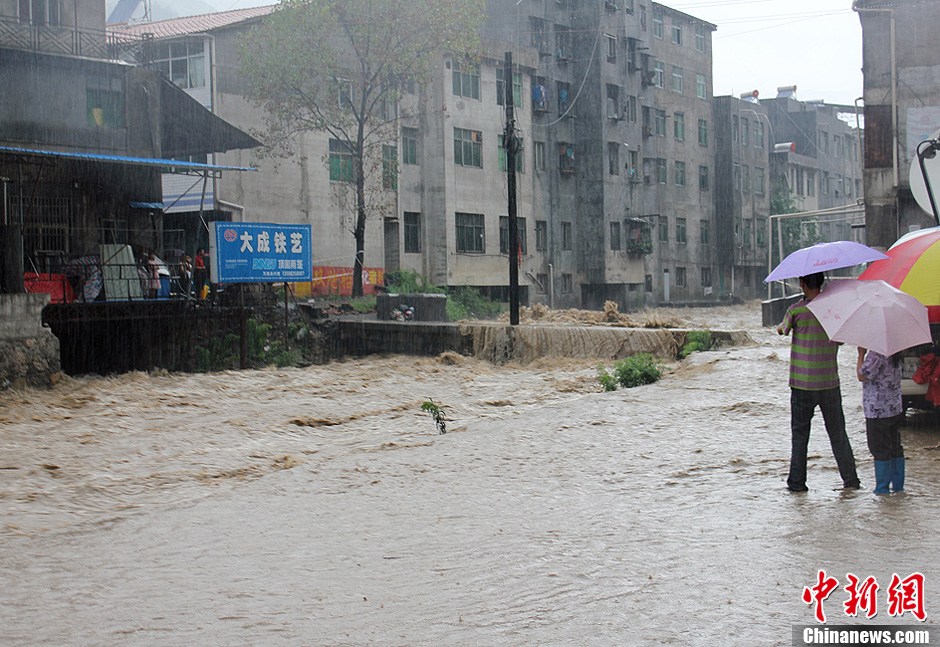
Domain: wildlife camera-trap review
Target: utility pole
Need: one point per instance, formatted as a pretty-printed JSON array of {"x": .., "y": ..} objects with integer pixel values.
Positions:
[{"x": 511, "y": 144}]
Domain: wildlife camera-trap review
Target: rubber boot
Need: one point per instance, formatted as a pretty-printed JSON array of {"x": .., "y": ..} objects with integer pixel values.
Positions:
[
  {"x": 897, "y": 474},
  {"x": 883, "y": 471}
]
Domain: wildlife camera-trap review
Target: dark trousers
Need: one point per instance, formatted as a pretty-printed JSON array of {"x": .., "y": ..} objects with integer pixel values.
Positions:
[
  {"x": 884, "y": 437},
  {"x": 802, "y": 406}
]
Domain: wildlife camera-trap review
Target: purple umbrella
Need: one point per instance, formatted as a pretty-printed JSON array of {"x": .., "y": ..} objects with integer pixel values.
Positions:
[{"x": 823, "y": 257}]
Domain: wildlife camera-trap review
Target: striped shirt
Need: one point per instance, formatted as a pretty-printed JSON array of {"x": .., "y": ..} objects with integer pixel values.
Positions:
[{"x": 813, "y": 365}]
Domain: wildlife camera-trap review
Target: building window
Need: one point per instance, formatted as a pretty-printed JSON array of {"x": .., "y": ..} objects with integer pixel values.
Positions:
[
  {"x": 745, "y": 179},
  {"x": 703, "y": 178},
  {"x": 613, "y": 158},
  {"x": 541, "y": 235},
  {"x": 735, "y": 128},
  {"x": 409, "y": 145},
  {"x": 611, "y": 48},
  {"x": 759, "y": 180},
  {"x": 342, "y": 168},
  {"x": 680, "y": 173},
  {"x": 699, "y": 38},
  {"x": 40, "y": 12},
  {"x": 759, "y": 135},
  {"x": 824, "y": 183},
  {"x": 678, "y": 126},
  {"x": 344, "y": 94},
  {"x": 648, "y": 282},
  {"x": 538, "y": 151},
  {"x": 466, "y": 80},
  {"x": 504, "y": 235},
  {"x": 183, "y": 62},
  {"x": 664, "y": 229},
  {"x": 811, "y": 183},
  {"x": 745, "y": 132},
  {"x": 629, "y": 108},
  {"x": 704, "y": 230},
  {"x": 537, "y": 33},
  {"x": 701, "y": 91},
  {"x": 657, "y": 23},
  {"x": 541, "y": 283},
  {"x": 703, "y": 132},
  {"x": 564, "y": 94},
  {"x": 104, "y": 96},
  {"x": 676, "y": 34},
  {"x": 389, "y": 167},
  {"x": 761, "y": 232},
  {"x": 567, "y": 283},
  {"x": 659, "y": 74},
  {"x": 613, "y": 102},
  {"x": 471, "y": 233},
  {"x": 562, "y": 43},
  {"x": 706, "y": 277},
  {"x": 412, "y": 232},
  {"x": 680, "y": 277},
  {"x": 468, "y": 147},
  {"x": 677, "y": 74},
  {"x": 566, "y": 158},
  {"x": 501, "y": 88},
  {"x": 615, "y": 236},
  {"x": 680, "y": 230},
  {"x": 501, "y": 156},
  {"x": 736, "y": 177},
  {"x": 659, "y": 123},
  {"x": 661, "y": 170},
  {"x": 566, "y": 236}
]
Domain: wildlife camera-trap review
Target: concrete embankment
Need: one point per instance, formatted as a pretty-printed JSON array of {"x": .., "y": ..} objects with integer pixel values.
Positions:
[{"x": 501, "y": 343}]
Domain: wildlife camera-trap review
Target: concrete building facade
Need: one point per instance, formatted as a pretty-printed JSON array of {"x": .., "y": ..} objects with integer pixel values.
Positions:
[{"x": 902, "y": 109}]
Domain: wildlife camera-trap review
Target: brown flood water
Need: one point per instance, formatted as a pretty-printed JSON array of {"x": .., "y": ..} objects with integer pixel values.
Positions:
[{"x": 319, "y": 506}]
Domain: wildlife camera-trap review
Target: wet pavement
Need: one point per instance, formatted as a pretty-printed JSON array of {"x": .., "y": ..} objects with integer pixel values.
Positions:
[{"x": 318, "y": 506}]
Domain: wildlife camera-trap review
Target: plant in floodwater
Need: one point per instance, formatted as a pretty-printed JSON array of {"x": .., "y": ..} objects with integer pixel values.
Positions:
[
  {"x": 363, "y": 305},
  {"x": 635, "y": 370},
  {"x": 437, "y": 412},
  {"x": 608, "y": 381},
  {"x": 696, "y": 340}
]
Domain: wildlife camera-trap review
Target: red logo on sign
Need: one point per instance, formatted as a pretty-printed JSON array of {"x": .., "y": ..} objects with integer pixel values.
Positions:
[{"x": 230, "y": 235}]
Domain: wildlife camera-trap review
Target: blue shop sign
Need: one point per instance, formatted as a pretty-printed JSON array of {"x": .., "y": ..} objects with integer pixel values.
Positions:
[{"x": 260, "y": 252}]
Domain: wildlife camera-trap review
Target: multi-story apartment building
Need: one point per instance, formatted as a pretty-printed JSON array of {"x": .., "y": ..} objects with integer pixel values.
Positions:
[
  {"x": 633, "y": 184},
  {"x": 742, "y": 193},
  {"x": 902, "y": 109}
]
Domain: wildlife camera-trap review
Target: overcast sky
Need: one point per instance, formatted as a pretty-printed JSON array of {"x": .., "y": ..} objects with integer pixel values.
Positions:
[{"x": 815, "y": 45}]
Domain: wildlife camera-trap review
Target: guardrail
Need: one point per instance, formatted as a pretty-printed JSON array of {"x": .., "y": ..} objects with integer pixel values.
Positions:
[{"x": 70, "y": 41}]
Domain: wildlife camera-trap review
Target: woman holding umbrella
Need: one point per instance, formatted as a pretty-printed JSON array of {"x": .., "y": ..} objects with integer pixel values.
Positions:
[{"x": 881, "y": 399}]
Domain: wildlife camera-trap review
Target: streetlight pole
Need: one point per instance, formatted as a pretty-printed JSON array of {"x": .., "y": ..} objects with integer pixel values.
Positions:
[{"x": 511, "y": 144}]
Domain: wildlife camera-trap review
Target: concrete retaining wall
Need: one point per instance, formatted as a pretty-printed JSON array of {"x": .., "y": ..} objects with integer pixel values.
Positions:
[
  {"x": 500, "y": 343},
  {"x": 29, "y": 353}
]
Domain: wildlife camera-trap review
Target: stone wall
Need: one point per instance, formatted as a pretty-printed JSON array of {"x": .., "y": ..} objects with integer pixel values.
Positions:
[{"x": 29, "y": 353}]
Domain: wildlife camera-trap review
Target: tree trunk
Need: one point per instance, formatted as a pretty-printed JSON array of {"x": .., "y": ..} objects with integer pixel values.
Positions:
[{"x": 360, "y": 231}]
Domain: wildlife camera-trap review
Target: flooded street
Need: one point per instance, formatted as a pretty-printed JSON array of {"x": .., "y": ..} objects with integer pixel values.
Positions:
[{"x": 318, "y": 506}]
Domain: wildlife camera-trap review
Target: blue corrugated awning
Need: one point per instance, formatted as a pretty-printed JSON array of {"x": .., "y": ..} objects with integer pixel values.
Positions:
[
  {"x": 132, "y": 161},
  {"x": 147, "y": 205}
]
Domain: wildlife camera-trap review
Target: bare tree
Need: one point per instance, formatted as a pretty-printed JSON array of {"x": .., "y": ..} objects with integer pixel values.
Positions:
[{"x": 339, "y": 66}]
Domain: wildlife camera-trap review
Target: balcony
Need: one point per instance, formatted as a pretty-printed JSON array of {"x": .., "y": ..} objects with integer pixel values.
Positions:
[{"x": 68, "y": 41}]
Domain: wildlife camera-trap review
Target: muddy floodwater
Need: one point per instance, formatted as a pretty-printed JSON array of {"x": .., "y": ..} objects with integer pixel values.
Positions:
[{"x": 319, "y": 506}]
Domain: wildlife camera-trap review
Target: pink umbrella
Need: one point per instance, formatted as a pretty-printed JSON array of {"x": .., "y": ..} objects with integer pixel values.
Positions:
[
  {"x": 823, "y": 257},
  {"x": 871, "y": 314}
]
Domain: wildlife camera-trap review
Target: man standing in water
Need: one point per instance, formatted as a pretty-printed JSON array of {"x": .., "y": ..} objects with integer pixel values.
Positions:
[{"x": 814, "y": 381}]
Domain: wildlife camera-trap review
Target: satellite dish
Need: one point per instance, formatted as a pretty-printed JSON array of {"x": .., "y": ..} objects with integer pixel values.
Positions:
[{"x": 919, "y": 186}]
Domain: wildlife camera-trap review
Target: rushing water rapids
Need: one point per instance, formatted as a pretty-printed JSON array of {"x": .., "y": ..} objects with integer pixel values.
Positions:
[{"x": 318, "y": 506}]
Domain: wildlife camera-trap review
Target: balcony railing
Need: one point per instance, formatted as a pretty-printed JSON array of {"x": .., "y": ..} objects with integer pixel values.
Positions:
[{"x": 69, "y": 41}]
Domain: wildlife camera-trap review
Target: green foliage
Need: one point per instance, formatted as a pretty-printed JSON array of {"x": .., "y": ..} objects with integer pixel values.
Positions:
[
  {"x": 224, "y": 352},
  {"x": 410, "y": 282},
  {"x": 696, "y": 340},
  {"x": 635, "y": 370},
  {"x": 608, "y": 381},
  {"x": 437, "y": 412},
  {"x": 468, "y": 303},
  {"x": 363, "y": 305}
]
